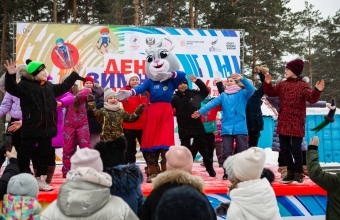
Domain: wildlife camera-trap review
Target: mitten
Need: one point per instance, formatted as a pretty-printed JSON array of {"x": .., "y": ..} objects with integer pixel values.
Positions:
[
  {"x": 98, "y": 89},
  {"x": 83, "y": 93},
  {"x": 139, "y": 109},
  {"x": 222, "y": 209},
  {"x": 123, "y": 94},
  {"x": 90, "y": 98}
]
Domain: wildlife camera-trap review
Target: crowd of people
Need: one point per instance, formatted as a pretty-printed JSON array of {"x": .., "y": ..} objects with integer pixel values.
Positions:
[{"x": 103, "y": 180}]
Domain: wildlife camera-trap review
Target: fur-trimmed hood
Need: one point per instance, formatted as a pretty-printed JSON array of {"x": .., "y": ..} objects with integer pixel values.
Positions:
[
  {"x": 178, "y": 176},
  {"x": 23, "y": 72},
  {"x": 125, "y": 177}
]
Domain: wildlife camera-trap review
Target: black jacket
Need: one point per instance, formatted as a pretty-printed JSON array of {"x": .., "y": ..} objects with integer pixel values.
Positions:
[
  {"x": 94, "y": 125},
  {"x": 185, "y": 105},
  {"x": 12, "y": 169},
  {"x": 37, "y": 102},
  {"x": 253, "y": 108}
]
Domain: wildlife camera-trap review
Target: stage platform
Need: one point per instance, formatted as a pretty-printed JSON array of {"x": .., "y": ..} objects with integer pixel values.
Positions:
[{"x": 306, "y": 201}]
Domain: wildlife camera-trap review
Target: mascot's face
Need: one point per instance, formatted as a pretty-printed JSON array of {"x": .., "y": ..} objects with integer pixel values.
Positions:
[{"x": 160, "y": 59}]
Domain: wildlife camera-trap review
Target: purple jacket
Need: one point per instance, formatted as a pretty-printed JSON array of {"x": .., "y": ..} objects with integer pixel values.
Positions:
[
  {"x": 10, "y": 104},
  {"x": 66, "y": 100}
]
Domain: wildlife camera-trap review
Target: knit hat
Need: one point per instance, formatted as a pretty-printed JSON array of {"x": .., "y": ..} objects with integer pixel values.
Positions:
[
  {"x": 179, "y": 157},
  {"x": 296, "y": 66},
  {"x": 108, "y": 92},
  {"x": 34, "y": 67},
  {"x": 129, "y": 76},
  {"x": 23, "y": 184},
  {"x": 88, "y": 78},
  {"x": 248, "y": 165},
  {"x": 112, "y": 152},
  {"x": 87, "y": 157},
  {"x": 184, "y": 203},
  {"x": 228, "y": 168},
  {"x": 185, "y": 82}
]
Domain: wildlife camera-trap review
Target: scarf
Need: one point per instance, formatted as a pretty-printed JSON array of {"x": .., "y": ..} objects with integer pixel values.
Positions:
[
  {"x": 232, "y": 89},
  {"x": 114, "y": 108}
]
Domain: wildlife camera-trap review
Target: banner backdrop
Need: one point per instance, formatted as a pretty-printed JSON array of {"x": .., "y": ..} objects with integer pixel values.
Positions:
[{"x": 109, "y": 52}]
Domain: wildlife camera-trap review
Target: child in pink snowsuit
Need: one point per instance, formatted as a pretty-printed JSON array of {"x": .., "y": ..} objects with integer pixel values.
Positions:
[{"x": 76, "y": 126}]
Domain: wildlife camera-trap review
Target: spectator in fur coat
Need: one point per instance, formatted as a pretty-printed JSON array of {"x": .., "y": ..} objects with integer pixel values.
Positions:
[{"x": 126, "y": 179}]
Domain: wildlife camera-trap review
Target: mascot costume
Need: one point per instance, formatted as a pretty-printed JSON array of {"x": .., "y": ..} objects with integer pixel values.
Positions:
[{"x": 158, "y": 133}]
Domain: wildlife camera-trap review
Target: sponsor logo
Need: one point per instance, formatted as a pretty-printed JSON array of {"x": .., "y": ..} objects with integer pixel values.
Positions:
[
  {"x": 165, "y": 88},
  {"x": 150, "y": 41},
  {"x": 134, "y": 40},
  {"x": 183, "y": 43},
  {"x": 213, "y": 47},
  {"x": 191, "y": 44},
  {"x": 231, "y": 46},
  {"x": 26, "y": 30}
]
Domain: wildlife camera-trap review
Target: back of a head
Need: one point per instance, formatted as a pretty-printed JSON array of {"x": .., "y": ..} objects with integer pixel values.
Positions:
[
  {"x": 184, "y": 203},
  {"x": 23, "y": 184},
  {"x": 180, "y": 158},
  {"x": 87, "y": 157}
]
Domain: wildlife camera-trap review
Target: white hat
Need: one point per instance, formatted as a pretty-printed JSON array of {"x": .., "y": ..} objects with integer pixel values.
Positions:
[
  {"x": 108, "y": 92},
  {"x": 129, "y": 76},
  {"x": 248, "y": 165}
]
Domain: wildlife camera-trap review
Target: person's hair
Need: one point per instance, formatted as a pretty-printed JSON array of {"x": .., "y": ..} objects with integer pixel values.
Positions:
[
  {"x": 234, "y": 184},
  {"x": 76, "y": 103},
  {"x": 237, "y": 83}
]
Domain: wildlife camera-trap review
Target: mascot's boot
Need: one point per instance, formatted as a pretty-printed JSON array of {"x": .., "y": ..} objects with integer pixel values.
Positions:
[
  {"x": 305, "y": 170},
  {"x": 152, "y": 173},
  {"x": 163, "y": 167},
  {"x": 283, "y": 171},
  {"x": 50, "y": 172}
]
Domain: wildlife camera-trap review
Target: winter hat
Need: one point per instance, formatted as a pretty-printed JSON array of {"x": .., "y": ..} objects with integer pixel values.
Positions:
[
  {"x": 112, "y": 152},
  {"x": 248, "y": 165},
  {"x": 23, "y": 184},
  {"x": 34, "y": 67},
  {"x": 184, "y": 203},
  {"x": 88, "y": 78},
  {"x": 108, "y": 92},
  {"x": 129, "y": 76},
  {"x": 179, "y": 157},
  {"x": 296, "y": 66},
  {"x": 185, "y": 82},
  {"x": 228, "y": 167},
  {"x": 87, "y": 157}
]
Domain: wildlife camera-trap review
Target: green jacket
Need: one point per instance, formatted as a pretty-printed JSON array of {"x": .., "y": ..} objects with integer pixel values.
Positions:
[{"x": 327, "y": 181}]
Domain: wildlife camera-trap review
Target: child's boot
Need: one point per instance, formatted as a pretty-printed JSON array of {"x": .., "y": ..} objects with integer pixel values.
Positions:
[
  {"x": 163, "y": 167},
  {"x": 298, "y": 178},
  {"x": 283, "y": 171},
  {"x": 43, "y": 186},
  {"x": 289, "y": 177},
  {"x": 152, "y": 173}
]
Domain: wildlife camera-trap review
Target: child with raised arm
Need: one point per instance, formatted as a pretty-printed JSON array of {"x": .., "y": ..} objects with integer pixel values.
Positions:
[
  {"x": 39, "y": 117},
  {"x": 293, "y": 94},
  {"x": 234, "y": 126}
]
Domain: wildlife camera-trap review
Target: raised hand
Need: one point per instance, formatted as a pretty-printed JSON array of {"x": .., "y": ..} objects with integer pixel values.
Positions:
[
  {"x": 196, "y": 114},
  {"x": 235, "y": 76},
  {"x": 192, "y": 78},
  {"x": 77, "y": 67},
  {"x": 59, "y": 104},
  {"x": 314, "y": 141},
  {"x": 123, "y": 94},
  {"x": 268, "y": 78},
  {"x": 12, "y": 154},
  {"x": 320, "y": 85},
  {"x": 10, "y": 66},
  {"x": 140, "y": 109}
]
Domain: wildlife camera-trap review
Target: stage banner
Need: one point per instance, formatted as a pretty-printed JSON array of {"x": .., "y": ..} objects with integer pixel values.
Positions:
[{"x": 109, "y": 52}]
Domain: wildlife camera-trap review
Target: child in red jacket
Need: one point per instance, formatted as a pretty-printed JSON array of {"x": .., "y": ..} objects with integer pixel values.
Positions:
[
  {"x": 134, "y": 130},
  {"x": 293, "y": 94}
]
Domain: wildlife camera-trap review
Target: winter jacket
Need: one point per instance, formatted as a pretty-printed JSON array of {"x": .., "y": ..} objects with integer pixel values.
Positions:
[
  {"x": 112, "y": 121},
  {"x": 209, "y": 119},
  {"x": 10, "y": 104},
  {"x": 78, "y": 119},
  {"x": 165, "y": 181},
  {"x": 38, "y": 102},
  {"x": 234, "y": 109},
  {"x": 20, "y": 207},
  {"x": 11, "y": 169},
  {"x": 94, "y": 125},
  {"x": 130, "y": 106},
  {"x": 66, "y": 100},
  {"x": 126, "y": 181},
  {"x": 185, "y": 105},
  {"x": 86, "y": 196},
  {"x": 293, "y": 94},
  {"x": 328, "y": 181},
  {"x": 253, "y": 108},
  {"x": 253, "y": 200}
]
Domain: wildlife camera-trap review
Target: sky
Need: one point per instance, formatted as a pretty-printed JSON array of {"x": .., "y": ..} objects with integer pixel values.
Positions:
[{"x": 326, "y": 7}]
